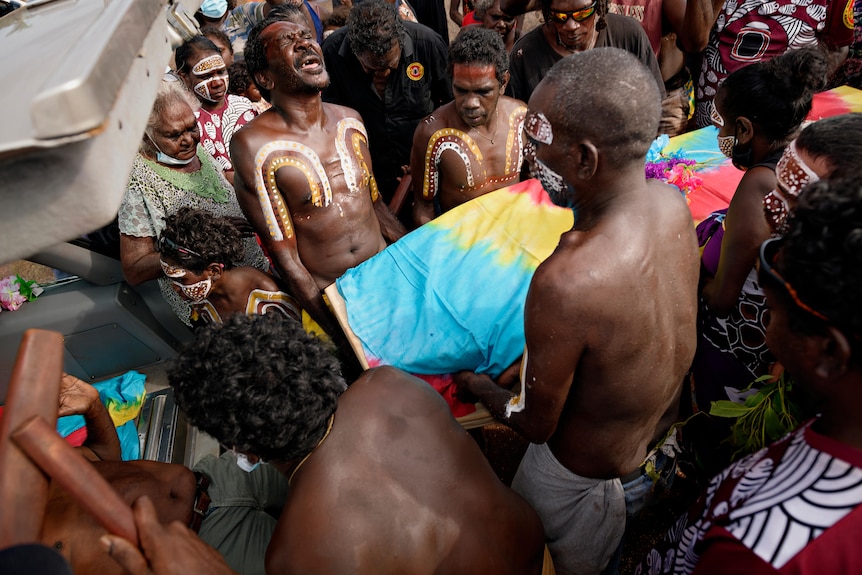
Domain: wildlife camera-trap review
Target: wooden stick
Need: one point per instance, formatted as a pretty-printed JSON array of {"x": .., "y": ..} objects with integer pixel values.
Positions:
[
  {"x": 77, "y": 476},
  {"x": 339, "y": 310},
  {"x": 34, "y": 389}
]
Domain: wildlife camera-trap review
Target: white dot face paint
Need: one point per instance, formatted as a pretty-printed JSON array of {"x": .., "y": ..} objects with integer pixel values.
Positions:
[
  {"x": 172, "y": 271},
  {"x": 210, "y": 69},
  {"x": 538, "y": 128},
  {"x": 792, "y": 175}
]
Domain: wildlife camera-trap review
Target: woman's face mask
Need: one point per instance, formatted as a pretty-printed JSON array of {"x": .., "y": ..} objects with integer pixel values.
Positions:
[
  {"x": 792, "y": 174},
  {"x": 196, "y": 292}
]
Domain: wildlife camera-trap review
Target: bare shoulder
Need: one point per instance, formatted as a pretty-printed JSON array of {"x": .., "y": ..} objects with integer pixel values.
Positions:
[
  {"x": 257, "y": 279},
  {"x": 337, "y": 112},
  {"x": 256, "y": 133},
  {"x": 509, "y": 105}
]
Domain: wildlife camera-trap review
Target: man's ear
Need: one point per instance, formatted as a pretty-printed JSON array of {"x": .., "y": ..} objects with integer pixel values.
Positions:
[
  {"x": 215, "y": 269},
  {"x": 263, "y": 80},
  {"x": 744, "y": 130},
  {"x": 834, "y": 354},
  {"x": 505, "y": 82},
  {"x": 587, "y": 160}
]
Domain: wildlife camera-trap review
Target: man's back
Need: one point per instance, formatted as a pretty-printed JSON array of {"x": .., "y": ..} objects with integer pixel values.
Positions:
[
  {"x": 632, "y": 278},
  {"x": 398, "y": 486}
]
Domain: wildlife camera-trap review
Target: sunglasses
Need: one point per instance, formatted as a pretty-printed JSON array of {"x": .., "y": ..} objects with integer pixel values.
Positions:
[
  {"x": 577, "y": 15},
  {"x": 768, "y": 255},
  {"x": 170, "y": 244}
]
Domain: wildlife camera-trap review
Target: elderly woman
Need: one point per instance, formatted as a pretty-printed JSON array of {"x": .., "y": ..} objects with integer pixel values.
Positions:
[
  {"x": 490, "y": 16},
  {"x": 220, "y": 114},
  {"x": 171, "y": 171}
]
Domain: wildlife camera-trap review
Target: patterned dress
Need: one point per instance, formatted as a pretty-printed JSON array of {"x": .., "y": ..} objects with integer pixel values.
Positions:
[
  {"x": 218, "y": 127},
  {"x": 792, "y": 507},
  {"x": 155, "y": 192}
]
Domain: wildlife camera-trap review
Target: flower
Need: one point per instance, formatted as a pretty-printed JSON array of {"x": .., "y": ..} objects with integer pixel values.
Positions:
[
  {"x": 683, "y": 177},
  {"x": 15, "y": 290},
  {"x": 10, "y": 296}
]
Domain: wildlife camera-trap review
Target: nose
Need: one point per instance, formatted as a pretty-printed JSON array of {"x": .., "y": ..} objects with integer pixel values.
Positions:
[
  {"x": 571, "y": 24},
  {"x": 471, "y": 102}
]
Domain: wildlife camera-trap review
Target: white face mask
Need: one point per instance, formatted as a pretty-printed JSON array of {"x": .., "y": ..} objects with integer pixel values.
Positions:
[
  {"x": 196, "y": 292},
  {"x": 167, "y": 160},
  {"x": 244, "y": 464}
]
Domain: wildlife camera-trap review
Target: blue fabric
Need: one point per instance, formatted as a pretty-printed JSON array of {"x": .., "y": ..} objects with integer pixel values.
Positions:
[{"x": 123, "y": 397}]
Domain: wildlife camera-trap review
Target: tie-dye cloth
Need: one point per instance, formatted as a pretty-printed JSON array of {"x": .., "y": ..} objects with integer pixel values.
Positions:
[
  {"x": 720, "y": 177},
  {"x": 123, "y": 397},
  {"x": 450, "y": 295}
]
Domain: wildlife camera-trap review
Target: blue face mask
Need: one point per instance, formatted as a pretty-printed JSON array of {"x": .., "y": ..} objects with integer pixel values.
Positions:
[
  {"x": 246, "y": 465},
  {"x": 167, "y": 160}
]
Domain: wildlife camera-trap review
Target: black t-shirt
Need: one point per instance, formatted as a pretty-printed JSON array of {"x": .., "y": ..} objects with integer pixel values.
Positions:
[
  {"x": 532, "y": 56},
  {"x": 416, "y": 89}
]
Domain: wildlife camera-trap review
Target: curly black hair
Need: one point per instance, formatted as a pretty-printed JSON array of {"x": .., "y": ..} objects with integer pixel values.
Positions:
[
  {"x": 608, "y": 96},
  {"x": 373, "y": 27},
  {"x": 260, "y": 384},
  {"x": 822, "y": 256},
  {"x": 215, "y": 239},
  {"x": 479, "y": 46},
  {"x": 239, "y": 78},
  {"x": 255, "y": 49},
  {"x": 776, "y": 94},
  {"x": 191, "y": 47},
  {"x": 838, "y": 140},
  {"x": 601, "y": 12}
]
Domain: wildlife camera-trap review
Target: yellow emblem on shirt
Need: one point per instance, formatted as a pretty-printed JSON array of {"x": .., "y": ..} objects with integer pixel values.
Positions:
[
  {"x": 415, "y": 71},
  {"x": 848, "y": 15}
]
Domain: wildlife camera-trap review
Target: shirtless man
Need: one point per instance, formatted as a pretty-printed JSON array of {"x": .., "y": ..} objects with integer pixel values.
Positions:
[
  {"x": 610, "y": 315},
  {"x": 389, "y": 483},
  {"x": 303, "y": 170},
  {"x": 470, "y": 146},
  {"x": 172, "y": 490}
]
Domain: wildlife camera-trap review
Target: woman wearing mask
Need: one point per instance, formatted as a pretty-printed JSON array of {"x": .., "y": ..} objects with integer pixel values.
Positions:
[
  {"x": 169, "y": 172},
  {"x": 758, "y": 111}
]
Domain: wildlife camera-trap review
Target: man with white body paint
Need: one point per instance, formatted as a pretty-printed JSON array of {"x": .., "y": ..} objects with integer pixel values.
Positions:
[
  {"x": 304, "y": 178},
  {"x": 202, "y": 69},
  {"x": 610, "y": 315}
]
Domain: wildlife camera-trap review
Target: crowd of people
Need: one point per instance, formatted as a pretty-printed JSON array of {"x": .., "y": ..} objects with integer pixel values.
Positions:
[{"x": 246, "y": 210}]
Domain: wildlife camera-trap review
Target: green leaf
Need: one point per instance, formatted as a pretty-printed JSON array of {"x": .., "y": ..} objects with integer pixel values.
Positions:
[
  {"x": 725, "y": 408},
  {"x": 772, "y": 424}
]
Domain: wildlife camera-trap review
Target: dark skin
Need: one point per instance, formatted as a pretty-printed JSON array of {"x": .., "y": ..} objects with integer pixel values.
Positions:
[
  {"x": 230, "y": 286},
  {"x": 326, "y": 240},
  {"x": 482, "y": 112},
  {"x": 691, "y": 20},
  {"x": 70, "y": 529},
  {"x": 606, "y": 354},
  {"x": 402, "y": 488},
  {"x": 822, "y": 364},
  {"x": 745, "y": 226},
  {"x": 495, "y": 19}
]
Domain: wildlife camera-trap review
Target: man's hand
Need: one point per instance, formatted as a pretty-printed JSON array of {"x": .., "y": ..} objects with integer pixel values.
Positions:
[
  {"x": 165, "y": 549},
  {"x": 463, "y": 383},
  {"x": 76, "y": 396}
]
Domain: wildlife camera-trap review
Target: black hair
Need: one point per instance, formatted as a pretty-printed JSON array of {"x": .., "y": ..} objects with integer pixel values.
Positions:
[
  {"x": 822, "y": 255},
  {"x": 608, "y": 96},
  {"x": 239, "y": 78},
  {"x": 478, "y": 46},
  {"x": 191, "y": 47},
  {"x": 838, "y": 140},
  {"x": 211, "y": 30},
  {"x": 601, "y": 12},
  {"x": 214, "y": 238},
  {"x": 776, "y": 94},
  {"x": 373, "y": 27},
  {"x": 338, "y": 17},
  {"x": 260, "y": 384},
  {"x": 255, "y": 49}
]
